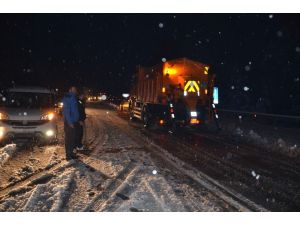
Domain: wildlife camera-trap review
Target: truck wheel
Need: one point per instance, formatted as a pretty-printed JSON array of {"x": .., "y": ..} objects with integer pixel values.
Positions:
[
  {"x": 146, "y": 120},
  {"x": 131, "y": 117}
]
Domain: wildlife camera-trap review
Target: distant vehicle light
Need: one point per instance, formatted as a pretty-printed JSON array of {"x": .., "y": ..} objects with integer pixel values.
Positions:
[
  {"x": 125, "y": 95},
  {"x": 193, "y": 114},
  {"x": 185, "y": 93},
  {"x": 103, "y": 97},
  {"x": 49, "y": 133},
  {"x": 161, "y": 122},
  {"x": 60, "y": 104},
  {"x": 163, "y": 90},
  {"x": 173, "y": 116}
]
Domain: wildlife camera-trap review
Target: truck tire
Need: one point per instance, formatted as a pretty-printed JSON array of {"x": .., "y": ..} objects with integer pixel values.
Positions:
[
  {"x": 146, "y": 121},
  {"x": 131, "y": 117}
]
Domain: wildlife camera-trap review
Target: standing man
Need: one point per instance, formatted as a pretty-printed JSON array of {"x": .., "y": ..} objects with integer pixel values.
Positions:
[
  {"x": 71, "y": 118},
  {"x": 82, "y": 117}
]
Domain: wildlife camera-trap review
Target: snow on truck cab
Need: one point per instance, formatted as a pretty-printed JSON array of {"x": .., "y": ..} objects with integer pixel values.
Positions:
[
  {"x": 179, "y": 91},
  {"x": 28, "y": 112}
]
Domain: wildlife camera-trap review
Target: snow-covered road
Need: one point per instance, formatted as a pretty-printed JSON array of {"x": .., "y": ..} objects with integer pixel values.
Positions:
[
  {"x": 128, "y": 168},
  {"x": 117, "y": 174}
]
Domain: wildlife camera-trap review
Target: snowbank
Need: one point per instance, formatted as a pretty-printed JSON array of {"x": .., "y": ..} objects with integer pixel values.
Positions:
[
  {"x": 7, "y": 152},
  {"x": 282, "y": 140}
]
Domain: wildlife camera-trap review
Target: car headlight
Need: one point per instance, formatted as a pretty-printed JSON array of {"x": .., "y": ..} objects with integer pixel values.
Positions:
[
  {"x": 3, "y": 116},
  {"x": 1, "y": 132},
  {"x": 48, "y": 116},
  {"x": 50, "y": 133},
  {"x": 193, "y": 114},
  {"x": 60, "y": 104}
]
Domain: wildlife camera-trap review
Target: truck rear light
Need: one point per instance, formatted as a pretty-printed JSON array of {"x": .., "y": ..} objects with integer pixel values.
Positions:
[{"x": 195, "y": 121}]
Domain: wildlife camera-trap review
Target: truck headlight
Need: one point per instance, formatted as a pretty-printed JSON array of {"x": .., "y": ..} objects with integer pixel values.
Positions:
[
  {"x": 48, "y": 116},
  {"x": 193, "y": 114}
]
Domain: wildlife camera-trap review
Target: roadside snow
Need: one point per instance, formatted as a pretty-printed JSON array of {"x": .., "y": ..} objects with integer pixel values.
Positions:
[
  {"x": 7, "y": 152},
  {"x": 272, "y": 138}
]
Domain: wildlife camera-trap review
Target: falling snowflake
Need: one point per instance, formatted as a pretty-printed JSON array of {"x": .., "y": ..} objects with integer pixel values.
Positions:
[
  {"x": 199, "y": 42},
  {"x": 271, "y": 16},
  {"x": 250, "y": 62},
  {"x": 29, "y": 51},
  {"x": 163, "y": 59},
  {"x": 154, "y": 172},
  {"x": 279, "y": 33},
  {"x": 246, "y": 88},
  {"x": 160, "y": 25},
  {"x": 240, "y": 117},
  {"x": 253, "y": 173},
  {"x": 247, "y": 68},
  {"x": 296, "y": 79},
  {"x": 232, "y": 87},
  {"x": 297, "y": 49}
]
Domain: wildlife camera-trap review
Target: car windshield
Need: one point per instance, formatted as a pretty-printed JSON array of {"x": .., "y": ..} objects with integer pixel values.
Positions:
[{"x": 27, "y": 100}]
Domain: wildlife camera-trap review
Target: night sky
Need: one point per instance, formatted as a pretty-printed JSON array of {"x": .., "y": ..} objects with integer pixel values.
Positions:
[{"x": 253, "y": 55}]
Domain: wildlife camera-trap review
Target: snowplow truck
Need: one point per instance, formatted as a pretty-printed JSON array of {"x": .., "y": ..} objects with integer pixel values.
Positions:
[{"x": 175, "y": 92}]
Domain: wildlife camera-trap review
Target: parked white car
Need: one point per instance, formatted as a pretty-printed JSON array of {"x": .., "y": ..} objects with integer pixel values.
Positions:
[{"x": 28, "y": 112}]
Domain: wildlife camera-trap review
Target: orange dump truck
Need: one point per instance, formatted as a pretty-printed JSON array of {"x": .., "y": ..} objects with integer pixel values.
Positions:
[{"x": 177, "y": 91}]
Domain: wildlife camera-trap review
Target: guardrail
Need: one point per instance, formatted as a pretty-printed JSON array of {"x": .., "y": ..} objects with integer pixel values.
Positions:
[
  {"x": 261, "y": 114},
  {"x": 287, "y": 120}
]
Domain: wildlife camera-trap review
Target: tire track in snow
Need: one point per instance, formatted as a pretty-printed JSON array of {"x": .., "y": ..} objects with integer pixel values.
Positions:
[{"x": 231, "y": 197}]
